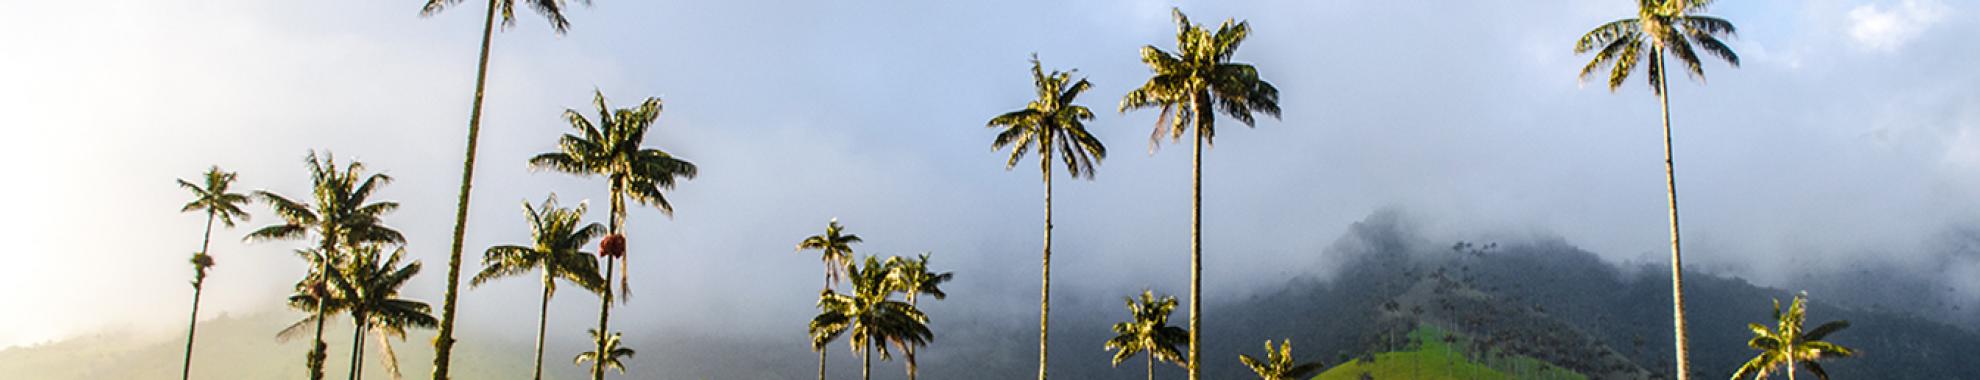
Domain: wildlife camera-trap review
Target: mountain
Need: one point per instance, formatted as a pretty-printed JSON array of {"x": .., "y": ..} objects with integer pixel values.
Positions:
[{"x": 1411, "y": 304}]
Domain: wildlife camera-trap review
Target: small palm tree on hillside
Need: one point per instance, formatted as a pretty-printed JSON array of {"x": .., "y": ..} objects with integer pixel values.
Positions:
[
  {"x": 911, "y": 277},
  {"x": 443, "y": 345},
  {"x": 613, "y": 357},
  {"x": 368, "y": 285},
  {"x": 1147, "y": 331},
  {"x": 835, "y": 250},
  {"x": 869, "y": 315},
  {"x": 1662, "y": 29},
  {"x": 1050, "y": 124},
  {"x": 612, "y": 148},
  {"x": 1278, "y": 364},
  {"x": 558, "y": 237},
  {"x": 218, "y": 204},
  {"x": 340, "y": 214},
  {"x": 1191, "y": 86},
  {"x": 1786, "y": 345}
]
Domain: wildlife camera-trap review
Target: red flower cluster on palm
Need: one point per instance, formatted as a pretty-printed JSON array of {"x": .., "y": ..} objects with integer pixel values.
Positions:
[{"x": 613, "y": 246}]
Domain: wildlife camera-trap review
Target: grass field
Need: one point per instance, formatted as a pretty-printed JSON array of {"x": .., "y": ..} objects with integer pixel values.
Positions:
[{"x": 1430, "y": 358}]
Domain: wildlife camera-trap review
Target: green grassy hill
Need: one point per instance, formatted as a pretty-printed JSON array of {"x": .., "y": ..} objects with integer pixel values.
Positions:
[{"x": 1437, "y": 355}]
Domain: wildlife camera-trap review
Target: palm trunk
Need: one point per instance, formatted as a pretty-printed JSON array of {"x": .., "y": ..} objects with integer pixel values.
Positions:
[
  {"x": 913, "y": 370},
  {"x": 1677, "y": 262},
  {"x": 321, "y": 292},
  {"x": 357, "y": 345},
  {"x": 1203, "y": 120},
  {"x": 199, "y": 285},
  {"x": 542, "y": 318},
  {"x": 821, "y": 363},
  {"x": 605, "y": 308},
  {"x": 1045, "y": 284},
  {"x": 443, "y": 343},
  {"x": 865, "y": 371},
  {"x": 1150, "y": 356},
  {"x": 1790, "y": 365}
]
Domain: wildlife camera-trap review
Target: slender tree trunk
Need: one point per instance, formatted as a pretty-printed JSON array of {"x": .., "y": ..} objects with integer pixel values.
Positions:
[
  {"x": 822, "y": 349},
  {"x": 1677, "y": 262},
  {"x": 913, "y": 370},
  {"x": 1203, "y": 120},
  {"x": 605, "y": 308},
  {"x": 542, "y": 319},
  {"x": 443, "y": 343},
  {"x": 1150, "y": 356},
  {"x": 321, "y": 291},
  {"x": 866, "y": 354},
  {"x": 1045, "y": 282},
  {"x": 357, "y": 345},
  {"x": 1790, "y": 365},
  {"x": 199, "y": 285}
]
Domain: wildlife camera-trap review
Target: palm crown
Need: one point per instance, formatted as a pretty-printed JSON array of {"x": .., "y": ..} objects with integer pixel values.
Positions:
[
  {"x": 341, "y": 214},
  {"x": 1278, "y": 363},
  {"x": 614, "y": 354},
  {"x": 1787, "y": 345},
  {"x": 611, "y": 148},
  {"x": 369, "y": 288},
  {"x": 552, "y": 10},
  {"x": 1661, "y": 28},
  {"x": 214, "y": 198},
  {"x": 1148, "y": 330},
  {"x": 557, "y": 238},
  {"x": 869, "y": 313},
  {"x": 1198, "y": 78},
  {"x": 835, "y": 249},
  {"x": 1051, "y": 124}
]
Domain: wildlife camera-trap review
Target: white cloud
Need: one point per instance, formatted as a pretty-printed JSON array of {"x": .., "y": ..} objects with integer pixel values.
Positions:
[{"x": 1883, "y": 28}]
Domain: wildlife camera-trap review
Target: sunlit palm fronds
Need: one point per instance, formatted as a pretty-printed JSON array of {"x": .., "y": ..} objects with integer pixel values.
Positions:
[
  {"x": 1786, "y": 345},
  {"x": 1279, "y": 364}
]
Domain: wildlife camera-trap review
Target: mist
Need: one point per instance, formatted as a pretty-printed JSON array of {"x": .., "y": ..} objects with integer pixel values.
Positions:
[{"x": 1847, "y": 136}]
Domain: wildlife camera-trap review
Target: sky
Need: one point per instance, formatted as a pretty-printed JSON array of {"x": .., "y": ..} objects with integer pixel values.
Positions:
[{"x": 1850, "y": 132}]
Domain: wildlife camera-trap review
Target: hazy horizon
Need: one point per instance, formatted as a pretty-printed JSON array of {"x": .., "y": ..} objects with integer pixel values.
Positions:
[{"x": 1850, "y": 134}]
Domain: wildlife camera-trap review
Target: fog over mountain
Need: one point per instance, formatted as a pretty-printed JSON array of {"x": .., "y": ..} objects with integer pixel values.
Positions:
[{"x": 1842, "y": 156}]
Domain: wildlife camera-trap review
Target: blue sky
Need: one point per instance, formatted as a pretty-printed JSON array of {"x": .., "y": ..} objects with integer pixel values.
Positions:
[{"x": 1851, "y": 132}]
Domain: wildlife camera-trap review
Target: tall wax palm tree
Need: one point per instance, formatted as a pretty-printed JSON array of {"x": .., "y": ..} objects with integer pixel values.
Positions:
[
  {"x": 339, "y": 215},
  {"x": 1278, "y": 363},
  {"x": 1051, "y": 124},
  {"x": 368, "y": 283},
  {"x": 911, "y": 277},
  {"x": 613, "y": 356},
  {"x": 1787, "y": 345},
  {"x": 556, "y": 248},
  {"x": 835, "y": 250},
  {"x": 219, "y": 204},
  {"x": 1148, "y": 331},
  {"x": 1190, "y": 86},
  {"x": 553, "y": 10},
  {"x": 611, "y": 148},
  {"x": 869, "y": 315},
  {"x": 1661, "y": 29}
]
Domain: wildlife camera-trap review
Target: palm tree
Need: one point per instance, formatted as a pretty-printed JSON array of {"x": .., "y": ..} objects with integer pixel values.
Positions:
[
  {"x": 1148, "y": 331},
  {"x": 1052, "y": 123},
  {"x": 1190, "y": 86},
  {"x": 218, "y": 204},
  {"x": 557, "y": 243},
  {"x": 911, "y": 277},
  {"x": 1661, "y": 28},
  {"x": 614, "y": 356},
  {"x": 341, "y": 215},
  {"x": 553, "y": 10},
  {"x": 870, "y": 315},
  {"x": 368, "y": 285},
  {"x": 835, "y": 250},
  {"x": 611, "y": 148},
  {"x": 1786, "y": 345},
  {"x": 1278, "y": 363}
]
